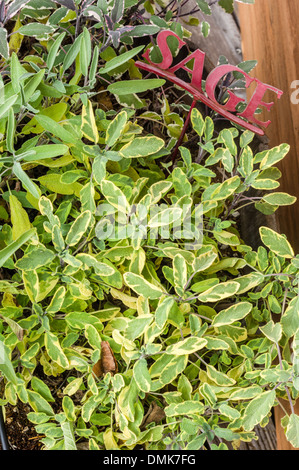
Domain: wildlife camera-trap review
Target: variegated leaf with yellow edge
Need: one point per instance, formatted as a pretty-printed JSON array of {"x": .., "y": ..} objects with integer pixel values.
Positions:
[
  {"x": 19, "y": 218},
  {"x": 89, "y": 127}
]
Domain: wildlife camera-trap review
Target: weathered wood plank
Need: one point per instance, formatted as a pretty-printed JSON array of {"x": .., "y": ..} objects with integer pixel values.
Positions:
[
  {"x": 269, "y": 31},
  {"x": 224, "y": 38}
]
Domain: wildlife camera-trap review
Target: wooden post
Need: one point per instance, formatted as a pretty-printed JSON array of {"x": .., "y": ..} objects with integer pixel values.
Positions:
[{"x": 269, "y": 35}]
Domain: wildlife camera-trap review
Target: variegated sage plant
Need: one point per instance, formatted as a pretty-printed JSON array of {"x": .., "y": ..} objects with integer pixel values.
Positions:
[{"x": 122, "y": 273}]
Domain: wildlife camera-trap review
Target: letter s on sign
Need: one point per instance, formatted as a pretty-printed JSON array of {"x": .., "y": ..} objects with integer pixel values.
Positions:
[{"x": 164, "y": 49}]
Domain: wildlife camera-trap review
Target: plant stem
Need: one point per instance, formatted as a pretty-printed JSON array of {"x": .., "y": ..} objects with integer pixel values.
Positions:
[
  {"x": 286, "y": 388},
  {"x": 180, "y": 140}
]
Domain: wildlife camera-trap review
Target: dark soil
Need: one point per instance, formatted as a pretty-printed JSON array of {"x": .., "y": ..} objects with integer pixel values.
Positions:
[{"x": 20, "y": 432}]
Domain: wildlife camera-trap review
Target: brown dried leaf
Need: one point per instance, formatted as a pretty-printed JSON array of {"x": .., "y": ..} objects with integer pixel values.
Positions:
[
  {"x": 97, "y": 369},
  {"x": 107, "y": 363},
  {"x": 155, "y": 414},
  {"x": 104, "y": 100}
]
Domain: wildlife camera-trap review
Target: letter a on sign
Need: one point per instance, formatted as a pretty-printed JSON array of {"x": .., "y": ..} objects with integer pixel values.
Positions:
[{"x": 166, "y": 70}]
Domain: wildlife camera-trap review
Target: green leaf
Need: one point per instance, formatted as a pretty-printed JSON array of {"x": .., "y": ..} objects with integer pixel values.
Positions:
[
  {"x": 138, "y": 326},
  {"x": 102, "y": 269},
  {"x": 227, "y": 5},
  {"x": 39, "y": 404},
  {"x": 186, "y": 156},
  {"x": 204, "y": 6},
  {"x": 31, "y": 284},
  {"x": 9, "y": 250},
  {"x": 19, "y": 218},
  {"x": 17, "y": 72},
  {"x": 93, "y": 66},
  {"x": 216, "y": 343},
  {"x": 115, "y": 196},
  {"x": 219, "y": 378},
  {"x": 142, "y": 287},
  {"x": 119, "y": 60},
  {"x": 69, "y": 408},
  {"x": 142, "y": 376},
  {"x": 205, "y": 29},
  {"x": 205, "y": 259},
  {"x": 89, "y": 407},
  {"x": 226, "y": 137},
  {"x": 290, "y": 318},
  {"x": 246, "y": 138},
  {"x": 49, "y": 125},
  {"x": 10, "y": 132},
  {"x": 142, "y": 147},
  {"x": 73, "y": 386},
  {"x": 57, "y": 238},
  {"x": 127, "y": 87},
  {"x": 43, "y": 152},
  {"x": 279, "y": 199},
  {"x": 186, "y": 346},
  {"x": 26, "y": 181},
  {"x": 78, "y": 228},
  {"x": 54, "y": 350},
  {"x": 89, "y": 127},
  {"x": 276, "y": 242},
  {"x": 258, "y": 409},
  {"x": 54, "y": 50},
  {"x": 36, "y": 258},
  {"x": 87, "y": 197},
  {"x": 40, "y": 387},
  {"x": 165, "y": 217},
  {"x": 175, "y": 365},
  {"x": 32, "y": 85},
  {"x": 179, "y": 274},
  {"x": 181, "y": 183},
  {"x": 273, "y": 156},
  {"x": 231, "y": 314},
  {"x": 185, "y": 387},
  {"x": 163, "y": 310},
  {"x": 6, "y": 366},
  {"x": 187, "y": 408},
  {"x": 219, "y": 292},
  {"x": 72, "y": 53},
  {"x": 56, "y": 301},
  {"x": 99, "y": 168},
  {"x": 4, "y": 50},
  {"x": 220, "y": 191},
  {"x": 38, "y": 418},
  {"x": 197, "y": 443},
  {"x": 272, "y": 331},
  {"x": 68, "y": 435},
  {"x": 116, "y": 128},
  {"x": 79, "y": 320},
  {"x": 8, "y": 103},
  {"x": 265, "y": 184},
  {"x": 292, "y": 431},
  {"x": 246, "y": 393},
  {"x": 117, "y": 11},
  {"x": 197, "y": 122},
  {"x": 93, "y": 337},
  {"x": 36, "y": 30},
  {"x": 228, "y": 411}
]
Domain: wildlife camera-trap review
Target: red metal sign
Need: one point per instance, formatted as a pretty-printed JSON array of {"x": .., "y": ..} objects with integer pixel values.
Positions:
[{"x": 165, "y": 69}]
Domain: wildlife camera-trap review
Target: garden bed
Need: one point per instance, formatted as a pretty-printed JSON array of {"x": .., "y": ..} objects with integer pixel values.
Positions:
[{"x": 119, "y": 330}]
